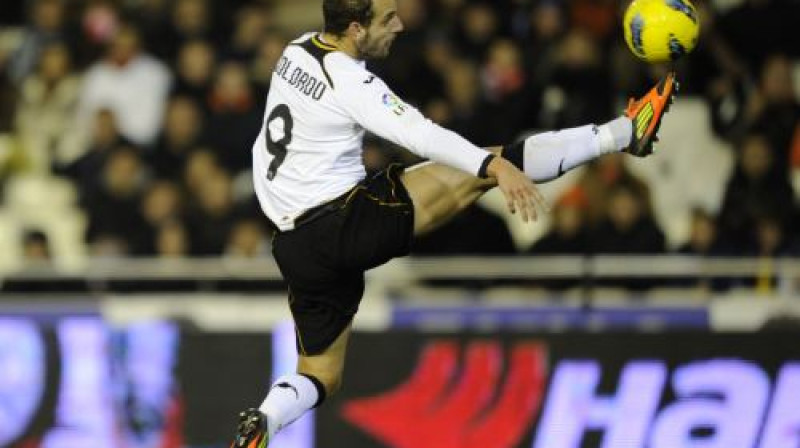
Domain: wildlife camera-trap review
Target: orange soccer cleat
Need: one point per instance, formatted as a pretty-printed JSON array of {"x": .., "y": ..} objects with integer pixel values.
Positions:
[
  {"x": 252, "y": 430},
  {"x": 647, "y": 113}
]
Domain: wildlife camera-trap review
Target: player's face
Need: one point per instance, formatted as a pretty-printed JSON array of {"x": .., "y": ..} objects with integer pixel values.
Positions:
[{"x": 377, "y": 38}]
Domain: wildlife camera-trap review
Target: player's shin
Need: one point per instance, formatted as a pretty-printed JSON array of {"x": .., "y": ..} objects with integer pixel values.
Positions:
[{"x": 546, "y": 156}]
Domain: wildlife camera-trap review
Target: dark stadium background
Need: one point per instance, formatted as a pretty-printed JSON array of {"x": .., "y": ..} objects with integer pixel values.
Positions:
[{"x": 138, "y": 295}]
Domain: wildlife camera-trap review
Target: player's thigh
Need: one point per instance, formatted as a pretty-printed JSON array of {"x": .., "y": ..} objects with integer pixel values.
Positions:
[
  {"x": 327, "y": 366},
  {"x": 439, "y": 192}
]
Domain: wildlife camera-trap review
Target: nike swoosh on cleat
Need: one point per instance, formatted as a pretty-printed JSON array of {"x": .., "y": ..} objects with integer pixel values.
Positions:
[{"x": 561, "y": 168}]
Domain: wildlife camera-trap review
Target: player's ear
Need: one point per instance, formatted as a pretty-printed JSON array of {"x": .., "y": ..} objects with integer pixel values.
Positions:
[{"x": 356, "y": 30}]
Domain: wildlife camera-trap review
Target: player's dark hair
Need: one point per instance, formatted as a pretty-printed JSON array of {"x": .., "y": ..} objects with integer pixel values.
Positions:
[{"x": 339, "y": 14}]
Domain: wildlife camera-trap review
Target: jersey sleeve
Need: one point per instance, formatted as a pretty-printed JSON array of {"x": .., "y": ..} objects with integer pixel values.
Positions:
[{"x": 376, "y": 108}]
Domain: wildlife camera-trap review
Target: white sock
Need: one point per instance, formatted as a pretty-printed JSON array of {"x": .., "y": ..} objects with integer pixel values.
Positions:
[
  {"x": 290, "y": 397},
  {"x": 544, "y": 157},
  {"x": 615, "y": 135}
]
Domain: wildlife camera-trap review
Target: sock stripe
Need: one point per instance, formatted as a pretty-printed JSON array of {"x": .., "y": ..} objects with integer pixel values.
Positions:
[{"x": 321, "y": 394}]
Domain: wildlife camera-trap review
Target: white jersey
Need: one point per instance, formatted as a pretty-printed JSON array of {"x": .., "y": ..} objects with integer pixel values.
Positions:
[{"x": 319, "y": 105}]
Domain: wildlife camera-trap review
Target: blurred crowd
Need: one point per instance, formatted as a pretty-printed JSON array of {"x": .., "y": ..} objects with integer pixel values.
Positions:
[{"x": 150, "y": 107}]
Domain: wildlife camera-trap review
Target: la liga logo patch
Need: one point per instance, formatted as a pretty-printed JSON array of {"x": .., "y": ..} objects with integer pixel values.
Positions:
[{"x": 395, "y": 104}]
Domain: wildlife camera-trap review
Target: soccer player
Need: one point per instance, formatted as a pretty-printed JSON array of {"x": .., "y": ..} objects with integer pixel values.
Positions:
[{"x": 333, "y": 223}]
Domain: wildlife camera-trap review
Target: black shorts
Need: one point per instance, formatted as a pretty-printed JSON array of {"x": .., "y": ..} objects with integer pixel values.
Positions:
[{"x": 324, "y": 258}]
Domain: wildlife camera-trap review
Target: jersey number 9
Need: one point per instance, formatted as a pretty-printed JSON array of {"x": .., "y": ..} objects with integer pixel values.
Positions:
[{"x": 278, "y": 147}]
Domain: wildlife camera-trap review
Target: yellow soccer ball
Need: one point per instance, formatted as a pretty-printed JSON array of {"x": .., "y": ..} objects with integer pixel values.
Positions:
[{"x": 661, "y": 30}]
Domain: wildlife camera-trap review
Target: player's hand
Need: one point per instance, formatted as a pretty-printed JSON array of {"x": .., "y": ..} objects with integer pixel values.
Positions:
[{"x": 520, "y": 192}]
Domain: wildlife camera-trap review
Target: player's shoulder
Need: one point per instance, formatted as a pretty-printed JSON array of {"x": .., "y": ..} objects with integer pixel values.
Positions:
[
  {"x": 345, "y": 65},
  {"x": 333, "y": 59},
  {"x": 351, "y": 74},
  {"x": 303, "y": 38},
  {"x": 343, "y": 73}
]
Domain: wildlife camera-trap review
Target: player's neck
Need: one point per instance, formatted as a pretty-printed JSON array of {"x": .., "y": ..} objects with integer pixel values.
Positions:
[{"x": 343, "y": 44}]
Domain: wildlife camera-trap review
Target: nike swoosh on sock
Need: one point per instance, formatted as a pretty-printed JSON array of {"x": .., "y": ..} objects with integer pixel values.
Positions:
[{"x": 288, "y": 386}]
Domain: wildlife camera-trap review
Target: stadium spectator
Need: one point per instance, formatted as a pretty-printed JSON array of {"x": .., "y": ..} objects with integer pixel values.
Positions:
[
  {"x": 508, "y": 107},
  {"x": 247, "y": 240},
  {"x": 568, "y": 234},
  {"x": 252, "y": 21},
  {"x": 162, "y": 204},
  {"x": 130, "y": 83},
  {"x": 713, "y": 64},
  {"x": 772, "y": 239},
  {"x": 234, "y": 116},
  {"x": 201, "y": 165},
  {"x": 113, "y": 207},
  {"x": 266, "y": 57},
  {"x": 194, "y": 71},
  {"x": 776, "y": 109},
  {"x": 181, "y": 133},
  {"x": 100, "y": 21},
  {"x": 476, "y": 26},
  {"x": 463, "y": 92},
  {"x": 212, "y": 216},
  {"x": 578, "y": 89},
  {"x": 35, "y": 246},
  {"x": 595, "y": 17},
  {"x": 757, "y": 93},
  {"x": 86, "y": 169},
  {"x": 598, "y": 181},
  {"x": 771, "y": 242},
  {"x": 189, "y": 20},
  {"x": 439, "y": 56},
  {"x": 704, "y": 241},
  {"x": 760, "y": 28},
  {"x": 758, "y": 187},
  {"x": 629, "y": 227},
  {"x": 539, "y": 35},
  {"x": 151, "y": 17},
  {"x": 47, "y": 26},
  {"x": 766, "y": 106},
  {"x": 172, "y": 241},
  {"x": 703, "y": 235},
  {"x": 46, "y": 106}
]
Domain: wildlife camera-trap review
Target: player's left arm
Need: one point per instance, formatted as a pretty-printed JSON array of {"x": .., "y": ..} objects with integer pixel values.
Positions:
[{"x": 379, "y": 110}]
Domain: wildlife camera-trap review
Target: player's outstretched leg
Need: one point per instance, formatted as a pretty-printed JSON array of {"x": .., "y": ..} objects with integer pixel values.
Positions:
[
  {"x": 548, "y": 155},
  {"x": 440, "y": 192}
]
